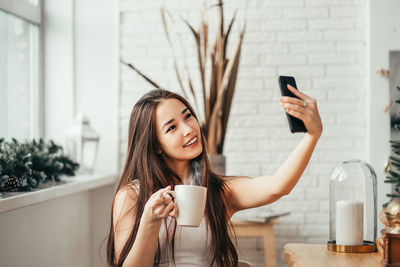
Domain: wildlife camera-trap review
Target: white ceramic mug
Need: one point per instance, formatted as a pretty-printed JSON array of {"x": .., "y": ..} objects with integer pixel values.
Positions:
[{"x": 191, "y": 202}]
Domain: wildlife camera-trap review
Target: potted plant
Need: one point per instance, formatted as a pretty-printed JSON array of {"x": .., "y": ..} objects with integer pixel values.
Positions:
[{"x": 217, "y": 95}]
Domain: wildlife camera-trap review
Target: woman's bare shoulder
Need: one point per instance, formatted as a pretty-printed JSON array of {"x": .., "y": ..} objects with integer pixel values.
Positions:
[
  {"x": 232, "y": 179},
  {"x": 232, "y": 182},
  {"x": 124, "y": 213},
  {"x": 130, "y": 190},
  {"x": 126, "y": 198}
]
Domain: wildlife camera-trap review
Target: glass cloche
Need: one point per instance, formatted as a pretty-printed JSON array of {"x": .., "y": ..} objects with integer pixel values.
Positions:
[{"x": 352, "y": 192}]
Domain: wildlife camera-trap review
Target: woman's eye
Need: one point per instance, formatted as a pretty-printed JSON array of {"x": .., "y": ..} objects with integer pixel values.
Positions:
[
  {"x": 171, "y": 128},
  {"x": 188, "y": 115}
]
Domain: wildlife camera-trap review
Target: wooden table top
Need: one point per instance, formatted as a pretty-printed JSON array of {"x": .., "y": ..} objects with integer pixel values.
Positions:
[
  {"x": 317, "y": 255},
  {"x": 249, "y": 222}
]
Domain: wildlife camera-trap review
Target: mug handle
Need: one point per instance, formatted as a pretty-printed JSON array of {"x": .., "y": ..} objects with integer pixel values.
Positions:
[{"x": 171, "y": 193}]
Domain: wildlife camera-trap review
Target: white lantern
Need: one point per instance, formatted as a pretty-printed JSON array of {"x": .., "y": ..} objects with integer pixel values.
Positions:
[{"x": 82, "y": 143}]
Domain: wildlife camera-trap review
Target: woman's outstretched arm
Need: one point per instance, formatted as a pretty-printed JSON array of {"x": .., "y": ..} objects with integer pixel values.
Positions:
[
  {"x": 247, "y": 192},
  {"x": 145, "y": 244}
]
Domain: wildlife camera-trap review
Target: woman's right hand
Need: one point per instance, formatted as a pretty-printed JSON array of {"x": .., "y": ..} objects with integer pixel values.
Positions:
[{"x": 159, "y": 206}]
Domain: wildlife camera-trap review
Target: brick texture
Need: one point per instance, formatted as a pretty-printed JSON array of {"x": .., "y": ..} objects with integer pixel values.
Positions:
[{"x": 322, "y": 43}]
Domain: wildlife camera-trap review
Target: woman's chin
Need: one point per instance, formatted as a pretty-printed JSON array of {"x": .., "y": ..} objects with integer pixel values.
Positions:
[
  {"x": 195, "y": 153},
  {"x": 199, "y": 153}
]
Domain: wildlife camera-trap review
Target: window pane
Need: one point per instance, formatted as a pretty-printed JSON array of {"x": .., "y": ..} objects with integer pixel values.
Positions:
[
  {"x": 19, "y": 76},
  {"x": 33, "y": 2}
]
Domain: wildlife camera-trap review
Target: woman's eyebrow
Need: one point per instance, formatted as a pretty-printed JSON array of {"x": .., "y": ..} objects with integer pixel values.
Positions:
[{"x": 171, "y": 120}]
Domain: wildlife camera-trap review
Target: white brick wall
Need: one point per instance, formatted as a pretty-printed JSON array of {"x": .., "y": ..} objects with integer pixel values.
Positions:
[{"x": 321, "y": 43}]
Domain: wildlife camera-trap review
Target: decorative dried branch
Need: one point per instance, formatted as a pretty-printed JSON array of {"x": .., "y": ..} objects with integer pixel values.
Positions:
[
  {"x": 229, "y": 93},
  {"x": 214, "y": 137},
  {"x": 217, "y": 100},
  {"x": 383, "y": 73},
  {"x": 141, "y": 74},
  {"x": 164, "y": 21},
  {"x": 204, "y": 34},
  {"x": 194, "y": 95},
  {"x": 178, "y": 77},
  {"x": 177, "y": 73},
  {"x": 199, "y": 58},
  {"x": 226, "y": 37}
]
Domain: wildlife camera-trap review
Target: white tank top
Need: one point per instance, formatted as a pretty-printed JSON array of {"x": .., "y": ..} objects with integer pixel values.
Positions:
[{"x": 192, "y": 245}]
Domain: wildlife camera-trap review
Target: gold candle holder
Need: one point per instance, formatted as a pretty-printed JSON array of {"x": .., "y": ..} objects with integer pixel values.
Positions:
[{"x": 366, "y": 247}]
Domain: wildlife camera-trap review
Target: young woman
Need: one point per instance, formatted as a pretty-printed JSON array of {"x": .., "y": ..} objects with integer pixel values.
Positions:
[{"x": 164, "y": 139}]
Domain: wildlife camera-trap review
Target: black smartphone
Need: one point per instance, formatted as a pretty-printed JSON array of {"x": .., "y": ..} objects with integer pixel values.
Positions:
[{"x": 295, "y": 124}]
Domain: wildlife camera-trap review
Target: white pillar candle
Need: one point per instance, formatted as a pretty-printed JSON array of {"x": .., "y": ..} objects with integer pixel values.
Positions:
[{"x": 349, "y": 222}]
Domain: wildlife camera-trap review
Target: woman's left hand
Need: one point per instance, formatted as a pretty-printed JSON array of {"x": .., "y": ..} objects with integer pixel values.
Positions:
[{"x": 304, "y": 109}]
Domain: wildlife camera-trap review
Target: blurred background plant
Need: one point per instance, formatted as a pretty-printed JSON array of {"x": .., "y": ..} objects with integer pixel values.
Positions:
[
  {"x": 222, "y": 74},
  {"x": 393, "y": 167},
  {"x": 23, "y": 166}
]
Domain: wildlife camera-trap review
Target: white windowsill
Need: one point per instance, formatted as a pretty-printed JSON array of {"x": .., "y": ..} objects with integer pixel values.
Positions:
[{"x": 70, "y": 185}]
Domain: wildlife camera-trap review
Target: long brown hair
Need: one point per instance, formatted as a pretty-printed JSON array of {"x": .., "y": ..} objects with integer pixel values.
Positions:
[{"x": 148, "y": 169}]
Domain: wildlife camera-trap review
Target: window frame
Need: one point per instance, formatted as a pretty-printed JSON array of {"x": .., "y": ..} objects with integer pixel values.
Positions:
[{"x": 32, "y": 14}]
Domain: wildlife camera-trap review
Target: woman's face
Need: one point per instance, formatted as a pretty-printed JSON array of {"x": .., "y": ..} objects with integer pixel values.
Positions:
[{"x": 178, "y": 131}]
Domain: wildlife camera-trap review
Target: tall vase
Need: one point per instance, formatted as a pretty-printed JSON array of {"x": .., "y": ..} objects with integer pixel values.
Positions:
[{"x": 218, "y": 163}]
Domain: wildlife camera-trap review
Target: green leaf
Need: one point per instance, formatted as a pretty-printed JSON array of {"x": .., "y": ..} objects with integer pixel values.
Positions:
[
  {"x": 394, "y": 143},
  {"x": 394, "y": 159},
  {"x": 393, "y": 195},
  {"x": 395, "y": 164},
  {"x": 393, "y": 175}
]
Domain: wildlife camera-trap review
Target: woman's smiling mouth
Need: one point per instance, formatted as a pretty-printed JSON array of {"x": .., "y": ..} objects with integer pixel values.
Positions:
[{"x": 191, "y": 142}]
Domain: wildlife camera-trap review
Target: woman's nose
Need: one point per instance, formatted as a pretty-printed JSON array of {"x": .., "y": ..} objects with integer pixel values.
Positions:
[{"x": 187, "y": 129}]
